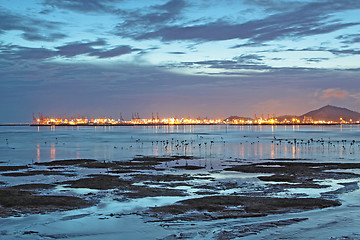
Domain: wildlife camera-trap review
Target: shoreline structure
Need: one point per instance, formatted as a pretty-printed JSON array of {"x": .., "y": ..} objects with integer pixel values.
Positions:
[
  {"x": 184, "y": 124},
  {"x": 49, "y": 121}
]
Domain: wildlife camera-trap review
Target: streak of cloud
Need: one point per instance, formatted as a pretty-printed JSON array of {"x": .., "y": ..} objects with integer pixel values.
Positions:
[{"x": 334, "y": 93}]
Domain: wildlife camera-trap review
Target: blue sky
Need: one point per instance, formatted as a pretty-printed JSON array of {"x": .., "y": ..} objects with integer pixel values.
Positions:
[{"x": 178, "y": 57}]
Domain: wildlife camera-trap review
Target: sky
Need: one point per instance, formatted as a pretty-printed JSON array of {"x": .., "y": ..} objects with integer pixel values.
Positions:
[{"x": 178, "y": 58}]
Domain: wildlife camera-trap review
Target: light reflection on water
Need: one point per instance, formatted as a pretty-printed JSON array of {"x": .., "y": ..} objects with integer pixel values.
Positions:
[
  {"x": 38, "y": 153},
  {"x": 52, "y": 152},
  {"x": 27, "y": 144}
]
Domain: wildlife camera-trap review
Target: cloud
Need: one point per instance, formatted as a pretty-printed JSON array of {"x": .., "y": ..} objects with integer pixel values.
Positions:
[
  {"x": 33, "y": 29},
  {"x": 356, "y": 96},
  {"x": 310, "y": 19},
  {"x": 14, "y": 52},
  {"x": 177, "y": 53},
  {"x": 276, "y": 5},
  {"x": 158, "y": 14},
  {"x": 315, "y": 60},
  {"x": 334, "y": 93},
  {"x": 81, "y": 5},
  {"x": 344, "y": 51},
  {"x": 40, "y": 37},
  {"x": 250, "y": 44},
  {"x": 225, "y": 64},
  {"x": 249, "y": 58},
  {"x": 10, "y": 21},
  {"x": 256, "y": 31},
  {"x": 339, "y": 51},
  {"x": 117, "y": 51},
  {"x": 350, "y": 38},
  {"x": 96, "y": 48},
  {"x": 39, "y": 85},
  {"x": 238, "y": 66},
  {"x": 242, "y": 62},
  {"x": 78, "y": 48},
  {"x": 167, "y": 11},
  {"x": 136, "y": 22}
]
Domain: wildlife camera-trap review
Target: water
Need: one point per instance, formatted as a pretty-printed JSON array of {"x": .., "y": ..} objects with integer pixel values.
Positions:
[
  {"x": 27, "y": 144},
  {"x": 211, "y": 145}
]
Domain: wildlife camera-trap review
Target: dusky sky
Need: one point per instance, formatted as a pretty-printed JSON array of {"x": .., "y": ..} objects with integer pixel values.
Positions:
[{"x": 177, "y": 58}]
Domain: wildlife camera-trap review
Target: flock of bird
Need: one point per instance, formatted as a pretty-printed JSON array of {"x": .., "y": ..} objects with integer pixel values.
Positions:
[
  {"x": 200, "y": 143},
  {"x": 175, "y": 146}
]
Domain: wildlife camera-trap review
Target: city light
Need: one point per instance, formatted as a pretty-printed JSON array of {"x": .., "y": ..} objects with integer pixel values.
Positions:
[{"x": 49, "y": 121}]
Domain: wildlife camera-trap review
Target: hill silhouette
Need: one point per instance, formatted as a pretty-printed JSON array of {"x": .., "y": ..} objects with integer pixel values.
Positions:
[
  {"x": 287, "y": 117},
  {"x": 332, "y": 113},
  {"x": 232, "y": 118}
]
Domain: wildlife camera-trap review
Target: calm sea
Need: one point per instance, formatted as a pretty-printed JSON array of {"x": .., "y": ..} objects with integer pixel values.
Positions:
[{"x": 28, "y": 144}]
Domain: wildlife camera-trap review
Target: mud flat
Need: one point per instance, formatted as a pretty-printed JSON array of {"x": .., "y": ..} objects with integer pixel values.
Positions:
[
  {"x": 300, "y": 174},
  {"x": 253, "y": 229},
  {"x": 220, "y": 207},
  {"x": 123, "y": 188},
  {"x": 11, "y": 168},
  {"x": 36, "y": 172},
  {"x": 34, "y": 198},
  {"x": 15, "y": 202},
  {"x": 199, "y": 195}
]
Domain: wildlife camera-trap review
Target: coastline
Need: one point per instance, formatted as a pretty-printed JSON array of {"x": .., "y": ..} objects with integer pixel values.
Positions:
[{"x": 184, "y": 124}]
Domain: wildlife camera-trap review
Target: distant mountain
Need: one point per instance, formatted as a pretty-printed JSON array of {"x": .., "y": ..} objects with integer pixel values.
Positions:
[
  {"x": 327, "y": 113},
  {"x": 286, "y": 117},
  {"x": 332, "y": 113},
  {"x": 232, "y": 118}
]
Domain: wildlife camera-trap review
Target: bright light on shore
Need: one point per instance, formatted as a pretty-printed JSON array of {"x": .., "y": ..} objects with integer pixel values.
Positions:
[{"x": 178, "y": 121}]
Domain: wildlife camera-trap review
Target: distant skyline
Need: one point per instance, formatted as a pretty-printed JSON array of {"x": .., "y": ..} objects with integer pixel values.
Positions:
[{"x": 177, "y": 58}]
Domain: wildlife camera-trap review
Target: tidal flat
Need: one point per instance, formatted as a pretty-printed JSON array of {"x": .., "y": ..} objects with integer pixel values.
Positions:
[
  {"x": 201, "y": 183},
  {"x": 85, "y": 184}
]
